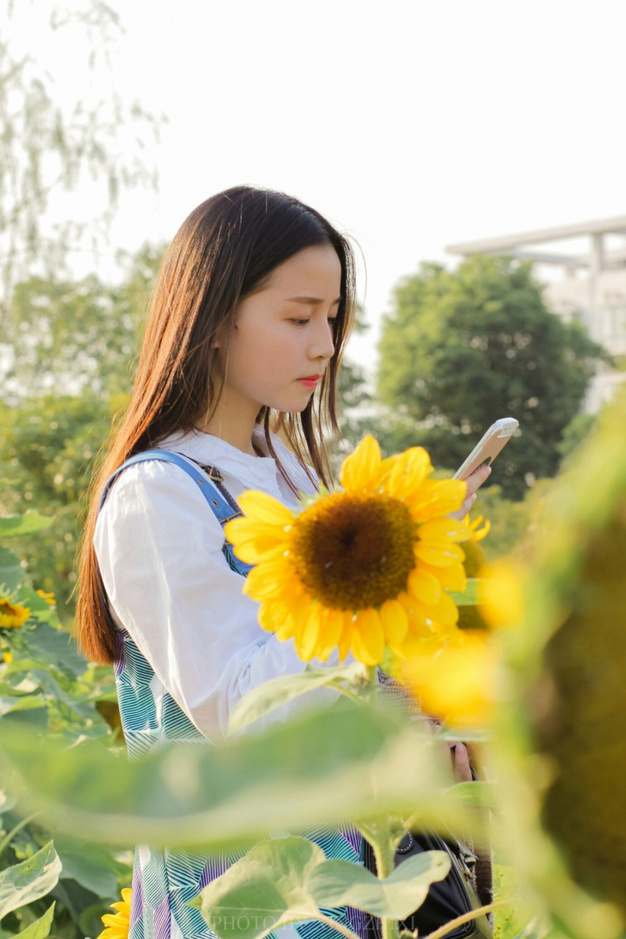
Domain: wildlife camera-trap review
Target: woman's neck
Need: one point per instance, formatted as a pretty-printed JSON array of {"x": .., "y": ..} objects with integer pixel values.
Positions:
[{"x": 237, "y": 433}]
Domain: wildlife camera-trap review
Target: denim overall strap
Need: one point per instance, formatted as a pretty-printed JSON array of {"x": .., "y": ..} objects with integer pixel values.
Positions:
[{"x": 223, "y": 509}]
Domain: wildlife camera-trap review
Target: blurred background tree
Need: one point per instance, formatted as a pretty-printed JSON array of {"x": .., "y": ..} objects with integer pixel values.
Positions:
[
  {"x": 67, "y": 339},
  {"x": 465, "y": 347},
  {"x": 53, "y": 146}
]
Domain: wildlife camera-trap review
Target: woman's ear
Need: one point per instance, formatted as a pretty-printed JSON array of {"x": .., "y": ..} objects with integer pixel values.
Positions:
[{"x": 220, "y": 339}]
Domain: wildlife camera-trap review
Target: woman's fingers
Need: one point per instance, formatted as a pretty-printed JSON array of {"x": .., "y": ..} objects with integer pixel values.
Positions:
[
  {"x": 461, "y": 762},
  {"x": 477, "y": 478},
  {"x": 473, "y": 483}
]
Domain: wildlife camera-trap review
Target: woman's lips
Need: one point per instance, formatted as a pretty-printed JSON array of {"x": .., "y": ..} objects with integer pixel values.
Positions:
[{"x": 310, "y": 381}]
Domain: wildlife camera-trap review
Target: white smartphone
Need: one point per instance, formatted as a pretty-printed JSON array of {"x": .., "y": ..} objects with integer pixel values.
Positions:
[{"x": 488, "y": 447}]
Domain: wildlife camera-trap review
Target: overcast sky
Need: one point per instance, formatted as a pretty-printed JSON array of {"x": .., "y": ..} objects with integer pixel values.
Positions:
[{"x": 412, "y": 124}]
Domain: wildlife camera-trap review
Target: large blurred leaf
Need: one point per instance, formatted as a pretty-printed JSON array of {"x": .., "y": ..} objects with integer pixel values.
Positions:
[
  {"x": 11, "y": 571},
  {"x": 23, "y": 524},
  {"x": 320, "y": 769},
  {"x": 287, "y": 880},
  {"x": 29, "y": 880},
  {"x": 278, "y": 691}
]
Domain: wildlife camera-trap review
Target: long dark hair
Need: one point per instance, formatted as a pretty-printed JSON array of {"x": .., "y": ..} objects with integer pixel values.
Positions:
[{"x": 224, "y": 251}]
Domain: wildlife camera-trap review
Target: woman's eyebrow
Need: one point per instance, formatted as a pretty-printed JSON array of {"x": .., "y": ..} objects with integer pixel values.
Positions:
[{"x": 311, "y": 300}]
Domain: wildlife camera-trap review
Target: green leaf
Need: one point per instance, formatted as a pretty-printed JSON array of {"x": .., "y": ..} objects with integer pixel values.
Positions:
[
  {"x": 40, "y": 928},
  {"x": 91, "y": 865},
  {"x": 340, "y": 883},
  {"x": 469, "y": 597},
  {"x": 14, "y": 525},
  {"x": 25, "y": 882},
  {"x": 11, "y": 571},
  {"x": 287, "y": 880},
  {"x": 26, "y": 702},
  {"x": 264, "y": 890},
  {"x": 54, "y": 647},
  {"x": 315, "y": 770},
  {"x": 278, "y": 691}
]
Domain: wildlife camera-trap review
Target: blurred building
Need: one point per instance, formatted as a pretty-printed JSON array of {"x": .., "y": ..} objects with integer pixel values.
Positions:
[{"x": 584, "y": 269}]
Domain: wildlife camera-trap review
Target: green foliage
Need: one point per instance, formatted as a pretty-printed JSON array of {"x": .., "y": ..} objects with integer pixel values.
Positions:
[
  {"x": 78, "y": 336},
  {"x": 47, "y": 688},
  {"x": 48, "y": 447},
  {"x": 81, "y": 337},
  {"x": 466, "y": 347},
  {"x": 334, "y": 763},
  {"x": 288, "y": 880},
  {"x": 49, "y": 147},
  {"x": 30, "y": 880},
  {"x": 576, "y": 432}
]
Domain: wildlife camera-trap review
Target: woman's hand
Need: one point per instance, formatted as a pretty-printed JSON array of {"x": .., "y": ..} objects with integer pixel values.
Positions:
[{"x": 474, "y": 482}]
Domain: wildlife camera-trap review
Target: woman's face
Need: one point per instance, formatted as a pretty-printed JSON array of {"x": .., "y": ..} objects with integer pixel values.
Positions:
[{"x": 282, "y": 339}]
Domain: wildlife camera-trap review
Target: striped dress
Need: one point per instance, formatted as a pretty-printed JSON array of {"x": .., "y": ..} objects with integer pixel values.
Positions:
[{"x": 165, "y": 881}]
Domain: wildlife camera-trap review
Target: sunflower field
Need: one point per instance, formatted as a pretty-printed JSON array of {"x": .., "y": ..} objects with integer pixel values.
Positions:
[{"x": 532, "y": 676}]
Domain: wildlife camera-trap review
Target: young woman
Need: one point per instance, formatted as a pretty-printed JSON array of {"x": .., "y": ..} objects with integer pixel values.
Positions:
[{"x": 249, "y": 318}]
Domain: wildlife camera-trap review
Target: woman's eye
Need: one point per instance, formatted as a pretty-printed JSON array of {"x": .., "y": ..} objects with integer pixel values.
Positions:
[{"x": 297, "y": 322}]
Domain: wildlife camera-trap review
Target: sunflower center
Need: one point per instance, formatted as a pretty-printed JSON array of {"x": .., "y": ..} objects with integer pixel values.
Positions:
[{"x": 354, "y": 551}]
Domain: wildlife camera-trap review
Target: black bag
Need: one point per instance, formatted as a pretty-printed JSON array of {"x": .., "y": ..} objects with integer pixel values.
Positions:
[{"x": 448, "y": 898}]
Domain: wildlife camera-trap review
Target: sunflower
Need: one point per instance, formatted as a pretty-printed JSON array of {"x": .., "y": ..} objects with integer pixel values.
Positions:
[
  {"x": 118, "y": 924},
  {"x": 48, "y": 597},
  {"x": 456, "y": 680},
  {"x": 360, "y": 569},
  {"x": 12, "y": 615}
]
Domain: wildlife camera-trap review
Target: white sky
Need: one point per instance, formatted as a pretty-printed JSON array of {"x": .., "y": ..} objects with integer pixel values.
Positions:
[{"x": 412, "y": 124}]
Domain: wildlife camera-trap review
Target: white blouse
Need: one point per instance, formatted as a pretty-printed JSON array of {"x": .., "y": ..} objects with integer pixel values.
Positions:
[{"x": 159, "y": 547}]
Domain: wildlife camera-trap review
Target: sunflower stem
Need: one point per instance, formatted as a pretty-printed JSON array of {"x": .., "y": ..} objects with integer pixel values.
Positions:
[
  {"x": 339, "y": 927},
  {"x": 383, "y": 845}
]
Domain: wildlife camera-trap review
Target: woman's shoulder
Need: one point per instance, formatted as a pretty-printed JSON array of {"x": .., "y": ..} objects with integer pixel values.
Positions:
[{"x": 152, "y": 487}]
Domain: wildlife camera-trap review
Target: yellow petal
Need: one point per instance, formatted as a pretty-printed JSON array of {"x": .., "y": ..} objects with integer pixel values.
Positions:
[
  {"x": 263, "y": 508},
  {"x": 438, "y": 529},
  {"x": 246, "y": 529},
  {"x": 271, "y": 617},
  {"x": 268, "y": 582},
  {"x": 345, "y": 639},
  {"x": 408, "y": 473},
  {"x": 307, "y": 640},
  {"x": 368, "y": 641},
  {"x": 452, "y": 577},
  {"x": 424, "y": 585},
  {"x": 394, "y": 621},
  {"x": 361, "y": 470},
  {"x": 258, "y": 551},
  {"x": 332, "y": 628},
  {"x": 438, "y": 553},
  {"x": 437, "y": 497},
  {"x": 445, "y": 612}
]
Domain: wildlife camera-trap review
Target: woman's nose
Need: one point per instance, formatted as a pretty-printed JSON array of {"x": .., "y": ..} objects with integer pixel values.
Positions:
[{"x": 323, "y": 344}]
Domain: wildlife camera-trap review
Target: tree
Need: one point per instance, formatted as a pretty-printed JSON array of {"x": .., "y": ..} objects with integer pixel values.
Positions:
[
  {"x": 48, "y": 447},
  {"x": 51, "y": 147},
  {"x": 465, "y": 347},
  {"x": 79, "y": 340},
  {"x": 76, "y": 335}
]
